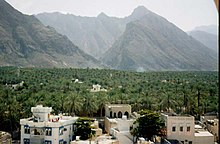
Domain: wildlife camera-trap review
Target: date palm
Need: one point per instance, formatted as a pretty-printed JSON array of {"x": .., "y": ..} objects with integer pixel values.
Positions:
[{"x": 73, "y": 103}]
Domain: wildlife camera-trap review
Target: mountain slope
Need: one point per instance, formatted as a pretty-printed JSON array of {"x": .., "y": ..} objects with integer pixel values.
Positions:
[
  {"x": 212, "y": 29},
  {"x": 25, "y": 42},
  {"x": 93, "y": 34},
  {"x": 153, "y": 43},
  {"x": 208, "y": 39}
]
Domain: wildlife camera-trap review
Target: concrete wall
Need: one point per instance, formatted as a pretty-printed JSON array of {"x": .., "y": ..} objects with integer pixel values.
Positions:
[
  {"x": 204, "y": 140},
  {"x": 109, "y": 123}
]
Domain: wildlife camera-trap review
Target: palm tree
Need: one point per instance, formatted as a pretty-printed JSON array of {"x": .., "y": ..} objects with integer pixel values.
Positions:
[
  {"x": 89, "y": 105},
  {"x": 136, "y": 103},
  {"x": 73, "y": 103},
  {"x": 11, "y": 109},
  {"x": 167, "y": 101},
  {"x": 102, "y": 100}
]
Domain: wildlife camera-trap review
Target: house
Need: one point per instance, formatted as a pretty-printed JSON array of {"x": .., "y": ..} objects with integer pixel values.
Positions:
[
  {"x": 97, "y": 88},
  {"x": 213, "y": 127},
  {"x": 44, "y": 128},
  {"x": 183, "y": 129},
  {"x": 211, "y": 123},
  {"x": 180, "y": 127},
  {"x": 118, "y": 120},
  {"x": 203, "y": 136}
]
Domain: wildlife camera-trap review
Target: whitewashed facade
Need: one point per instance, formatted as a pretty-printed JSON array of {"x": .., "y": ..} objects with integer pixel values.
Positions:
[{"x": 44, "y": 128}]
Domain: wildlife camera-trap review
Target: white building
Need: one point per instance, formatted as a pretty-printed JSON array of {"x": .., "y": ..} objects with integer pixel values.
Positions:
[
  {"x": 203, "y": 136},
  {"x": 97, "y": 88},
  {"x": 180, "y": 128},
  {"x": 46, "y": 128}
]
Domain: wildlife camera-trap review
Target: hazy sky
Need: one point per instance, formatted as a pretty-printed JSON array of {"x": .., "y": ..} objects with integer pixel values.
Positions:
[{"x": 186, "y": 14}]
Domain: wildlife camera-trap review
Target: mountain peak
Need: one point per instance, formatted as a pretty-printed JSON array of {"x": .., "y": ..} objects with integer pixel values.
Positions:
[
  {"x": 102, "y": 15},
  {"x": 140, "y": 11}
]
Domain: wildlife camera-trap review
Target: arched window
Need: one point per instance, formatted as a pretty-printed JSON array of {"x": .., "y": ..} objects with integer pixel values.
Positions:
[
  {"x": 115, "y": 115},
  {"x": 119, "y": 114},
  {"x": 110, "y": 114},
  {"x": 127, "y": 114}
]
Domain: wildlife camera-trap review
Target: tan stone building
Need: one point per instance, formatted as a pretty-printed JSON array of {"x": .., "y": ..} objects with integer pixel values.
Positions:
[
  {"x": 117, "y": 110},
  {"x": 183, "y": 129},
  {"x": 180, "y": 128},
  {"x": 117, "y": 117}
]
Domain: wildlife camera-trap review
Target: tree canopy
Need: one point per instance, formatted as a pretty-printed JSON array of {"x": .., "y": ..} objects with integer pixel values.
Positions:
[
  {"x": 147, "y": 125},
  {"x": 84, "y": 128},
  {"x": 68, "y": 91}
]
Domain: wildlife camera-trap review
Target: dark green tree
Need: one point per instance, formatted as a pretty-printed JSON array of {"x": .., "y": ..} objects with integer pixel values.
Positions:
[
  {"x": 147, "y": 125},
  {"x": 84, "y": 128}
]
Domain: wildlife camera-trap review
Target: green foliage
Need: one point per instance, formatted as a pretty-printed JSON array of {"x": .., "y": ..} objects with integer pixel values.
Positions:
[
  {"x": 56, "y": 88},
  {"x": 84, "y": 129},
  {"x": 147, "y": 125}
]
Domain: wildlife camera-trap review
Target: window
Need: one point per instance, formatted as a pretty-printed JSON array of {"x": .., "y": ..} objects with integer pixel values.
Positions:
[
  {"x": 26, "y": 129},
  {"x": 182, "y": 142},
  {"x": 115, "y": 115},
  {"x": 110, "y": 114},
  {"x": 26, "y": 141},
  {"x": 190, "y": 142},
  {"x": 48, "y": 142},
  {"x": 74, "y": 128},
  {"x": 48, "y": 131},
  {"x": 61, "y": 141},
  {"x": 181, "y": 128},
  {"x": 188, "y": 128},
  {"x": 173, "y": 128},
  {"x": 61, "y": 129}
]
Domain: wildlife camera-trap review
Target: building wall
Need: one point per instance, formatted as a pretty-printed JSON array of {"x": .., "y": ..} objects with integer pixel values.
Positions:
[
  {"x": 177, "y": 128},
  {"x": 124, "y": 125},
  {"x": 214, "y": 129},
  {"x": 55, "y": 137},
  {"x": 109, "y": 123},
  {"x": 113, "y": 111},
  {"x": 203, "y": 119},
  {"x": 204, "y": 140}
]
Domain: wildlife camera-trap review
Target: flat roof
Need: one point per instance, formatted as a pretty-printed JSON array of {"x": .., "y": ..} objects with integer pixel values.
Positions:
[
  {"x": 64, "y": 121},
  {"x": 117, "y": 105},
  {"x": 202, "y": 134},
  {"x": 198, "y": 127},
  {"x": 175, "y": 115}
]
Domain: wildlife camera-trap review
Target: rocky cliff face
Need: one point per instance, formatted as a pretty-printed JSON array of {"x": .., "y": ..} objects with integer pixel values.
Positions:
[
  {"x": 26, "y": 42},
  {"x": 153, "y": 43}
]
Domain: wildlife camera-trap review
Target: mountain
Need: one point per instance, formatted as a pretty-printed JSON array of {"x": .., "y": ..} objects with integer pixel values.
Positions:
[
  {"x": 150, "y": 42},
  {"x": 94, "y": 35},
  {"x": 26, "y": 42},
  {"x": 208, "y": 39},
  {"x": 212, "y": 29}
]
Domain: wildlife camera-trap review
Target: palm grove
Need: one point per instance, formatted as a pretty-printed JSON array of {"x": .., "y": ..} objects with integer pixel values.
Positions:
[{"x": 192, "y": 93}]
